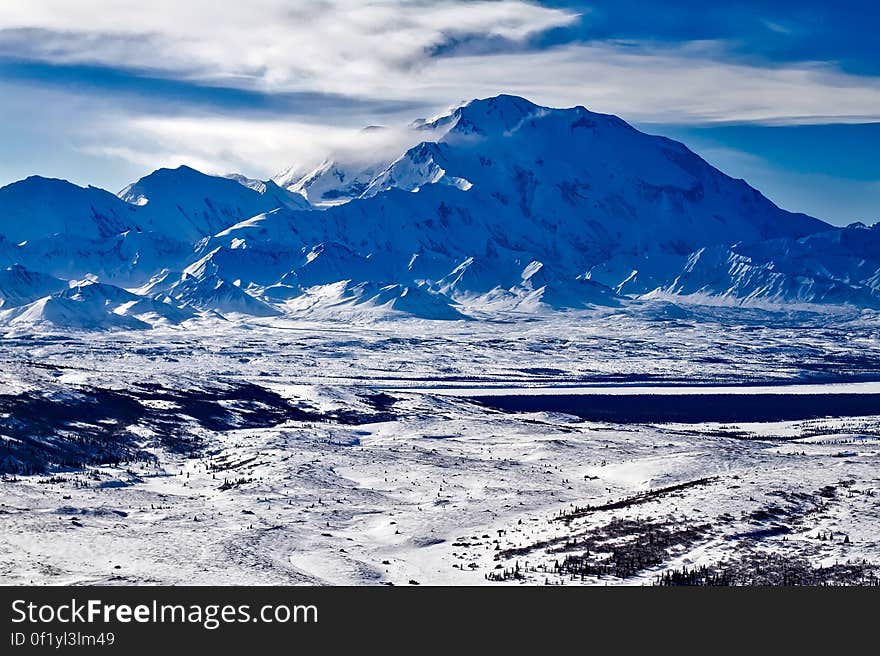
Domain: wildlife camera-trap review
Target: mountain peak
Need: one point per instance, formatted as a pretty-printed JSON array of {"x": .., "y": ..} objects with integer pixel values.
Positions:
[
  {"x": 504, "y": 114},
  {"x": 503, "y": 103},
  {"x": 39, "y": 207},
  {"x": 190, "y": 205},
  {"x": 181, "y": 173},
  {"x": 34, "y": 183},
  {"x": 492, "y": 115}
]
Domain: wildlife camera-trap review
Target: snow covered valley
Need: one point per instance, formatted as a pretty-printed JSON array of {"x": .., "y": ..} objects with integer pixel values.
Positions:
[{"x": 272, "y": 451}]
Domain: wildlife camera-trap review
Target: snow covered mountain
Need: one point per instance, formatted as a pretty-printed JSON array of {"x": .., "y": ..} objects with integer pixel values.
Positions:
[
  {"x": 331, "y": 183},
  {"x": 89, "y": 305},
  {"x": 38, "y": 208},
  {"x": 506, "y": 206},
  {"x": 192, "y": 205},
  {"x": 200, "y": 286}
]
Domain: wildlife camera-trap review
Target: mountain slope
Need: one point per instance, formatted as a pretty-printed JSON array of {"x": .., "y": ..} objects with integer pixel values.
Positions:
[
  {"x": 199, "y": 286},
  {"x": 20, "y": 286},
  {"x": 38, "y": 207},
  {"x": 277, "y": 196},
  {"x": 331, "y": 183}
]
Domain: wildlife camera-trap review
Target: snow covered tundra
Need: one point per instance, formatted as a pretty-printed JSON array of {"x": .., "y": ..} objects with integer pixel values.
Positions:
[{"x": 537, "y": 347}]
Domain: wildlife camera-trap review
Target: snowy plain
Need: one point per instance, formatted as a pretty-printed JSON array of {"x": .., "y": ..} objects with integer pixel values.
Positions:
[{"x": 337, "y": 452}]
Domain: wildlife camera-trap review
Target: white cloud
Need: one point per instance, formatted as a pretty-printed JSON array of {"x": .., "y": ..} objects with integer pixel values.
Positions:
[
  {"x": 267, "y": 44},
  {"x": 379, "y": 50},
  {"x": 673, "y": 84},
  {"x": 259, "y": 148}
]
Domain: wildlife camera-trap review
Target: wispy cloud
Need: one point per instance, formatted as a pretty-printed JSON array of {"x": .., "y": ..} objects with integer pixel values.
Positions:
[
  {"x": 260, "y": 148},
  {"x": 322, "y": 45},
  {"x": 688, "y": 82}
]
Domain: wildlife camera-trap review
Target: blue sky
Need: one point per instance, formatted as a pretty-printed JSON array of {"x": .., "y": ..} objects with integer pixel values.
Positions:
[{"x": 783, "y": 94}]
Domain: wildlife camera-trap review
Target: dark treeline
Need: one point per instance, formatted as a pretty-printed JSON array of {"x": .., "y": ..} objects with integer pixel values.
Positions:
[
  {"x": 773, "y": 569},
  {"x": 642, "y": 497},
  {"x": 90, "y": 426},
  {"x": 622, "y": 548}
]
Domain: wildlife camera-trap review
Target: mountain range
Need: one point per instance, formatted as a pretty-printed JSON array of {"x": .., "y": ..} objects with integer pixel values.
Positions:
[{"x": 505, "y": 207}]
